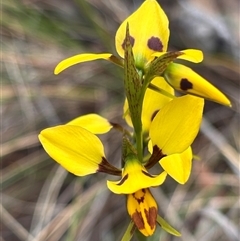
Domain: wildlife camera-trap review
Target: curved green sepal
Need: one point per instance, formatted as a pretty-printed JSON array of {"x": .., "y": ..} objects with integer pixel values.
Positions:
[
  {"x": 129, "y": 232},
  {"x": 159, "y": 65},
  {"x": 167, "y": 227}
]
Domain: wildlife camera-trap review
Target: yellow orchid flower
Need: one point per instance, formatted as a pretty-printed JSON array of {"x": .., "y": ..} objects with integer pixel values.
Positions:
[
  {"x": 149, "y": 35},
  {"x": 81, "y": 152}
]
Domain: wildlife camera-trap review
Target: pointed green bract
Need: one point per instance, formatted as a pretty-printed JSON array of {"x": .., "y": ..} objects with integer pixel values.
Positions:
[
  {"x": 167, "y": 227},
  {"x": 175, "y": 127},
  {"x": 134, "y": 93},
  {"x": 185, "y": 79},
  {"x": 132, "y": 83},
  {"x": 158, "y": 66}
]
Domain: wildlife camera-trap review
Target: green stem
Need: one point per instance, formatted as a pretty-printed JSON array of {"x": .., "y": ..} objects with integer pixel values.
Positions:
[
  {"x": 139, "y": 142},
  {"x": 138, "y": 127}
]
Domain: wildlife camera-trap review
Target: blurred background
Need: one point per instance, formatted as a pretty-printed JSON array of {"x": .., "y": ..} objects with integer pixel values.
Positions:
[{"x": 40, "y": 200}]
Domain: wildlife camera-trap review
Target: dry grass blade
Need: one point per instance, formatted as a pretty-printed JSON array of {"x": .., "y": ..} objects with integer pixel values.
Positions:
[
  {"x": 29, "y": 140},
  {"x": 47, "y": 200},
  {"x": 232, "y": 156},
  {"x": 10, "y": 222},
  {"x": 229, "y": 228},
  {"x": 59, "y": 224}
]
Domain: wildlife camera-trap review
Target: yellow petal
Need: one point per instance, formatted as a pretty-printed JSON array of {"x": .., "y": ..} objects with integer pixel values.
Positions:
[
  {"x": 142, "y": 209},
  {"x": 80, "y": 58},
  {"x": 76, "y": 149},
  {"x": 152, "y": 103},
  {"x": 192, "y": 55},
  {"x": 185, "y": 79},
  {"x": 175, "y": 127},
  {"x": 178, "y": 166},
  {"x": 149, "y": 32},
  {"x": 93, "y": 123},
  {"x": 135, "y": 177}
]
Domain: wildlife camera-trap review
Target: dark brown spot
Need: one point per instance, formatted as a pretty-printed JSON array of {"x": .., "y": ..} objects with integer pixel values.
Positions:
[
  {"x": 185, "y": 84},
  {"x": 151, "y": 216},
  {"x": 138, "y": 220},
  {"x": 132, "y": 41},
  {"x": 155, "y": 44},
  {"x": 157, "y": 154},
  {"x": 123, "y": 180},
  {"x": 154, "y": 114}
]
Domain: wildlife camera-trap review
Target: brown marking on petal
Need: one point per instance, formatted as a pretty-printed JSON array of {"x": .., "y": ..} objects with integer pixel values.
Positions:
[
  {"x": 147, "y": 174},
  {"x": 141, "y": 199},
  {"x": 155, "y": 44},
  {"x": 151, "y": 216},
  {"x": 156, "y": 156},
  {"x": 123, "y": 180},
  {"x": 138, "y": 220},
  {"x": 132, "y": 41},
  {"x": 106, "y": 167},
  {"x": 185, "y": 84},
  {"x": 154, "y": 114}
]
